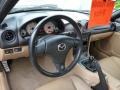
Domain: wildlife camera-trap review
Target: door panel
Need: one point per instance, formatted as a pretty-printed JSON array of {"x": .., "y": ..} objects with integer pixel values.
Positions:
[{"x": 110, "y": 46}]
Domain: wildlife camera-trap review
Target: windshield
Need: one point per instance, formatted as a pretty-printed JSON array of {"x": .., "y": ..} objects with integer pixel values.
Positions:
[{"x": 77, "y": 5}]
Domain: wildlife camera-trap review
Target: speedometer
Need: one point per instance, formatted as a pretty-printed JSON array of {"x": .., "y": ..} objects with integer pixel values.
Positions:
[
  {"x": 30, "y": 27},
  {"x": 49, "y": 27}
]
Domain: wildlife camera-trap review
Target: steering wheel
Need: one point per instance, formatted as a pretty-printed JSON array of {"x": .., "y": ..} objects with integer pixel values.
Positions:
[{"x": 56, "y": 46}]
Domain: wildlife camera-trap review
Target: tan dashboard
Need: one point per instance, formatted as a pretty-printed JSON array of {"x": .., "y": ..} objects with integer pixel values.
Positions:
[
  {"x": 101, "y": 36},
  {"x": 14, "y": 53},
  {"x": 23, "y": 51}
]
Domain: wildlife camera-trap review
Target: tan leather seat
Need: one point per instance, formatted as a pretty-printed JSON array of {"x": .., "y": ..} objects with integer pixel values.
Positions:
[
  {"x": 68, "y": 83},
  {"x": 111, "y": 65}
]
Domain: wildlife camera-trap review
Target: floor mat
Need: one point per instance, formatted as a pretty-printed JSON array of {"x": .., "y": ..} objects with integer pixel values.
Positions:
[{"x": 24, "y": 77}]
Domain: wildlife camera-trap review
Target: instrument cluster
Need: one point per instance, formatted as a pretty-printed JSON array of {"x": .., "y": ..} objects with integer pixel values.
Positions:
[{"x": 50, "y": 27}]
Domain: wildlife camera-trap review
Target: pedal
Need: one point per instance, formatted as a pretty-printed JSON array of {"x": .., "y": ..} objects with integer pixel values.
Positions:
[{"x": 6, "y": 66}]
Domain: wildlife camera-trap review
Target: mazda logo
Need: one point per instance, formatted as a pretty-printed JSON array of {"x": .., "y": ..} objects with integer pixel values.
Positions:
[{"x": 62, "y": 47}]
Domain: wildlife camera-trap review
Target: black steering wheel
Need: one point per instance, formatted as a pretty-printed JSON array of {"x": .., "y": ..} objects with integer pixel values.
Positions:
[{"x": 56, "y": 46}]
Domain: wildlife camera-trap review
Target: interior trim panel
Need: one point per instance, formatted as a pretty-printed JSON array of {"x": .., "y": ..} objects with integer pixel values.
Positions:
[{"x": 14, "y": 53}]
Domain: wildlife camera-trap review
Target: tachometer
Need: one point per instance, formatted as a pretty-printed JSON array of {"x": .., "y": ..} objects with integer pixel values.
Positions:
[
  {"x": 30, "y": 27},
  {"x": 49, "y": 27}
]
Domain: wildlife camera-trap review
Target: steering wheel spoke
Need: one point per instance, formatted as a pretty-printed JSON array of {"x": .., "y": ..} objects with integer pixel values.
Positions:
[
  {"x": 40, "y": 47},
  {"x": 60, "y": 67},
  {"x": 59, "y": 64}
]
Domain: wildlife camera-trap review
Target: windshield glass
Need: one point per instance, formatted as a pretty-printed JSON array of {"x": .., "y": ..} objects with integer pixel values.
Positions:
[{"x": 77, "y": 5}]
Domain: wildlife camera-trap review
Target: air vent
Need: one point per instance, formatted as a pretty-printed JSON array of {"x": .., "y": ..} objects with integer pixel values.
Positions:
[{"x": 8, "y": 35}]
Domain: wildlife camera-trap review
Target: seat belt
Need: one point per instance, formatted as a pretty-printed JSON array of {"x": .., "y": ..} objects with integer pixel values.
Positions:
[{"x": 103, "y": 84}]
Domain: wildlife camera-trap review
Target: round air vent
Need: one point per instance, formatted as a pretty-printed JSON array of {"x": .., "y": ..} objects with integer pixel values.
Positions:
[{"x": 8, "y": 35}]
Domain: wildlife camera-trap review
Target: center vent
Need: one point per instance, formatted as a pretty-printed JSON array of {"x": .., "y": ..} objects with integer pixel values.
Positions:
[{"x": 8, "y": 35}]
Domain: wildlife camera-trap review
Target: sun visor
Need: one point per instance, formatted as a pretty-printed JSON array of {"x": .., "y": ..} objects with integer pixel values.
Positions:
[{"x": 101, "y": 12}]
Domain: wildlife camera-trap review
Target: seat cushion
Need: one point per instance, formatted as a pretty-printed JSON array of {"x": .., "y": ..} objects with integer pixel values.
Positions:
[
  {"x": 114, "y": 84},
  {"x": 68, "y": 83},
  {"x": 111, "y": 65}
]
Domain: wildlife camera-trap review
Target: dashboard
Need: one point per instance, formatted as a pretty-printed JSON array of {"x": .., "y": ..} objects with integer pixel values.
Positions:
[{"x": 17, "y": 28}]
